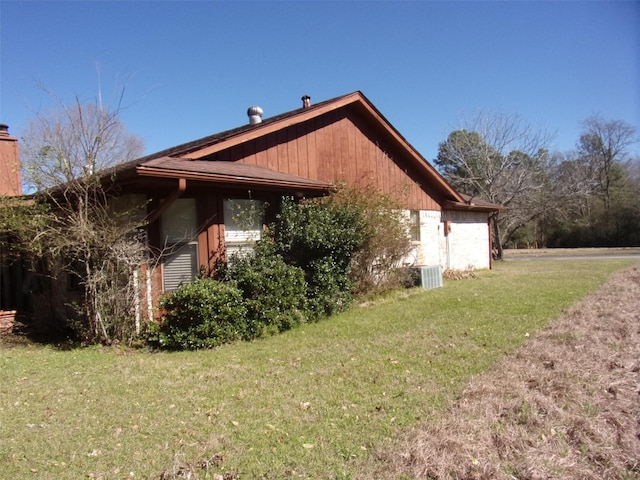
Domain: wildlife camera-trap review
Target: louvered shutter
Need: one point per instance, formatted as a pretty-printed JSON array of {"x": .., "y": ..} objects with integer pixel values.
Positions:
[
  {"x": 178, "y": 229},
  {"x": 181, "y": 267}
]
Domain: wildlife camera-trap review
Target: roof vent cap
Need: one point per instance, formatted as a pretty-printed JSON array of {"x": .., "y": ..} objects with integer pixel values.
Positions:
[
  {"x": 255, "y": 115},
  {"x": 4, "y": 130},
  {"x": 306, "y": 101}
]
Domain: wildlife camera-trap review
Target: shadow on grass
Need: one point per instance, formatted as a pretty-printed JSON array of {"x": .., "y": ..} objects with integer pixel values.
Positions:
[{"x": 25, "y": 333}]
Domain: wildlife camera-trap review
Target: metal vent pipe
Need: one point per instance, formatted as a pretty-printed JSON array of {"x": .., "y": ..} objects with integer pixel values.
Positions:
[{"x": 255, "y": 115}]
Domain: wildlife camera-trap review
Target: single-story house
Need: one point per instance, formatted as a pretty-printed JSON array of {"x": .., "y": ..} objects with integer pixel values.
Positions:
[{"x": 193, "y": 190}]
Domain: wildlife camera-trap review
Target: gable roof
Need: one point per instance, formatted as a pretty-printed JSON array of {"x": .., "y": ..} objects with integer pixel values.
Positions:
[{"x": 186, "y": 159}]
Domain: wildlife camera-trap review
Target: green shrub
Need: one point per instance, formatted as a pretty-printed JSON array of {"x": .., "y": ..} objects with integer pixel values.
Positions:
[
  {"x": 202, "y": 314},
  {"x": 376, "y": 266},
  {"x": 274, "y": 293},
  {"x": 320, "y": 237},
  {"x": 304, "y": 269},
  {"x": 351, "y": 243},
  {"x": 329, "y": 287}
]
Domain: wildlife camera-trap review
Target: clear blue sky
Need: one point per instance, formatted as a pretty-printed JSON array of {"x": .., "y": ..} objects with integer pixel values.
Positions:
[{"x": 192, "y": 68}]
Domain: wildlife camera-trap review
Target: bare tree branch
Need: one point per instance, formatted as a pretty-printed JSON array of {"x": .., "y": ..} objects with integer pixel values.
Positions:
[
  {"x": 504, "y": 160},
  {"x": 90, "y": 233}
]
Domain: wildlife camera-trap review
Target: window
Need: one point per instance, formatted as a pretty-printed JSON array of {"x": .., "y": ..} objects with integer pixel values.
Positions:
[
  {"x": 414, "y": 225},
  {"x": 178, "y": 227},
  {"x": 242, "y": 223}
]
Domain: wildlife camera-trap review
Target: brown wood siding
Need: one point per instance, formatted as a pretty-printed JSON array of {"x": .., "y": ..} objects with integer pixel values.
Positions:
[
  {"x": 312, "y": 154},
  {"x": 337, "y": 151},
  {"x": 293, "y": 162},
  {"x": 301, "y": 144},
  {"x": 338, "y": 147},
  {"x": 272, "y": 152},
  {"x": 211, "y": 236},
  {"x": 282, "y": 150},
  {"x": 9, "y": 166},
  {"x": 352, "y": 170},
  {"x": 324, "y": 159}
]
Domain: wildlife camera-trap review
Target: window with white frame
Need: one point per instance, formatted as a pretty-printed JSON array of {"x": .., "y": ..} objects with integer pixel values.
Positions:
[
  {"x": 414, "y": 225},
  {"x": 178, "y": 228},
  {"x": 243, "y": 219}
]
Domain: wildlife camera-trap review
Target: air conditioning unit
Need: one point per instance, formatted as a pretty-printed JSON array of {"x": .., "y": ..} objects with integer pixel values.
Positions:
[{"x": 431, "y": 276}]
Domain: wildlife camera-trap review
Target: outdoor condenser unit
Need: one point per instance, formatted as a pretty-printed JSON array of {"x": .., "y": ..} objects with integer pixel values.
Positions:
[{"x": 431, "y": 276}]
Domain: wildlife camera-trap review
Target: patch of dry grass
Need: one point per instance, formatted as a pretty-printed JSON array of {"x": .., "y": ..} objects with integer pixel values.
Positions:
[
  {"x": 564, "y": 406},
  {"x": 460, "y": 274}
]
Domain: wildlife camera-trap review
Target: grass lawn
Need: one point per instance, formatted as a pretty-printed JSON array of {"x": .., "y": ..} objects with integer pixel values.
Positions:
[{"x": 312, "y": 403}]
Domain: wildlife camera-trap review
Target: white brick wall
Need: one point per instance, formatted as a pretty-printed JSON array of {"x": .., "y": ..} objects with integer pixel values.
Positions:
[{"x": 466, "y": 245}]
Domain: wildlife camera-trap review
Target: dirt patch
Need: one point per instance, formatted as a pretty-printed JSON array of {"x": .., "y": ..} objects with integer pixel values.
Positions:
[{"x": 565, "y": 406}]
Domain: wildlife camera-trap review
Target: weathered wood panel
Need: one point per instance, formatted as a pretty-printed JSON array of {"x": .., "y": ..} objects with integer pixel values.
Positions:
[
  {"x": 302, "y": 152},
  {"x": 272, "y": 152},
  {"x": 283, "y": 161},
  {"x": 211, "y": 238},
  {"x": 293, "y": 141},
  {"x": 312, "y": 157},
  {"x": 338, "y": 147}
]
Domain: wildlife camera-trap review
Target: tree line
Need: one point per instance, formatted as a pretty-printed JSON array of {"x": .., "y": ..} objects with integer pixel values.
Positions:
[{"x": 587, "y": 197}]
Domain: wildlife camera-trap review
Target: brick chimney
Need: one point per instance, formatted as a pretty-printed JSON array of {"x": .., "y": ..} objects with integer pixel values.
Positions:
[{"x": 9, "y": 163}]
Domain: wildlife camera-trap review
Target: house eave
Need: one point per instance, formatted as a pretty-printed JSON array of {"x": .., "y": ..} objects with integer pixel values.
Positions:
[
  {"x": 234, "y": 180},
  {"x": 470, "y": 206}
]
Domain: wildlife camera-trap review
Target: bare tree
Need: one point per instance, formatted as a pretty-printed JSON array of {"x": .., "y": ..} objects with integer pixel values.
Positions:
[
  {"x": 89, "y": 232},
  {"x": 604, "y": 143},
  {"x": 502, "y": 159},
  {"x": 69, "y": 143},
  {"x": 595, "y": 195},
  {"x": 574, "y": 186}
]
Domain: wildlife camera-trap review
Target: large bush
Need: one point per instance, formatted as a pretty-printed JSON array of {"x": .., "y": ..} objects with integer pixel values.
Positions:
[
  {"x": 202, "y": 314},
  {"x": 274, "y": 293},
  {"x": 320, "y": 237},
  {"x": 377, "y": 264},
  {"x": 312, "y": 259}
]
